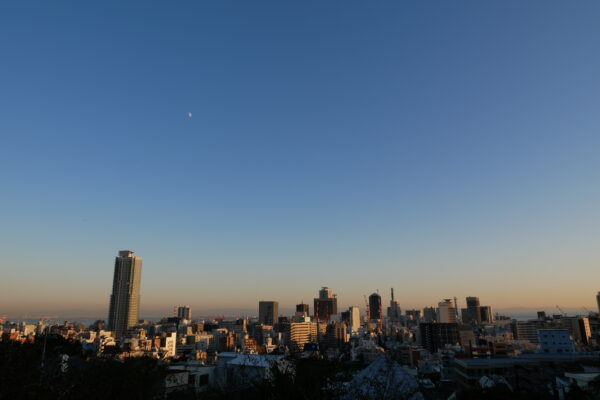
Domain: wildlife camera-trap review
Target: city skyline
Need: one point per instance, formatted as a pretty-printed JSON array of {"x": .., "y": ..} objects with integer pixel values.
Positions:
[
  {"x": 125, "y": 305},
  {"x": 444, "y": 149},
  {"x": 334, "y": 199}
]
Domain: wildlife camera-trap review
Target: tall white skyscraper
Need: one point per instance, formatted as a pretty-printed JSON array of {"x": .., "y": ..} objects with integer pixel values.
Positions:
[{"x": 125, "y": 299}]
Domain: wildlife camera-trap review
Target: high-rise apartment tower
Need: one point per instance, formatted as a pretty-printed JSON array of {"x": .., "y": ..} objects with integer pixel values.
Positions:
[{"x": 125, "y": 299}]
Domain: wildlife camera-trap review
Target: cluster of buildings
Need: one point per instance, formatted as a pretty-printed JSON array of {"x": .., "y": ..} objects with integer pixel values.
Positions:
[{"x": 441, "y": 348}]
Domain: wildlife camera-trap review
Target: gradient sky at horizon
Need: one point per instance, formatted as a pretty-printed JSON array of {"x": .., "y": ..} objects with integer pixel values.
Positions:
[{"x": 440, "y": 148}]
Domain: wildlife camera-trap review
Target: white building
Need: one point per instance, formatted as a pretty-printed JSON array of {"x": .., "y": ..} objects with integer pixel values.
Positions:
[
  {"x": 168, "y": 345},
  {"x": 555, "y": 341},
  {"x": 446, "y": 312},
  {"x": 354, "y": 319},
  {"x": 103, "y": 340},
  {"x": 299, "y": 333}
]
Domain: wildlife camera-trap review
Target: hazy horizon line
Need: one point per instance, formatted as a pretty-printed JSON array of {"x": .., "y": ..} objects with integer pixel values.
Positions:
[{"x": 251, "y": 312}]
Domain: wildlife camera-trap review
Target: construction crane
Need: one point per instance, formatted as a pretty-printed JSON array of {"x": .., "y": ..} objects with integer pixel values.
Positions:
[
  {"x": 586, "y": 309},
  {"x": 564, "y": 314}
]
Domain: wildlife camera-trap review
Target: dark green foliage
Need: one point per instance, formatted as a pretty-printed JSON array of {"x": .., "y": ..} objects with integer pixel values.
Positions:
[
  {"x": 309, "y": 380},
  {"x": 21, "y": 375},
  {"x": 134, "y": 378}
]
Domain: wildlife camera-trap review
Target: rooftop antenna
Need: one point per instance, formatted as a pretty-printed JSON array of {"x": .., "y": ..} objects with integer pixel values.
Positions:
[{"x": 392, "y": 295}]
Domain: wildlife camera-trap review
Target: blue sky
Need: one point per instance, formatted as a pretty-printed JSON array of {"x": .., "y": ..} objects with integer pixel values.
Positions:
[{"x": 442, "y": 148}]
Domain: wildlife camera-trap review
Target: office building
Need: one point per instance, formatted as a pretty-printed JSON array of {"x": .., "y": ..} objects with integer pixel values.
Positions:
[
  {"x": 268, "y": 312},
  {"x": 125, "y": 298},
  {"x": 297, "y": 334},
  {"x": 435, "y": 336},
  {"x": 541, "y": 315},
  {"x": 262, "y": 332},
  {"x": 237, "y": 326},
  {"x": 413, "y": 315},
  {"x": 326, "y": 293},
  {"x": 354, "y": 324},
  {"x": 526, "y": 368},
  {"x": 466, "y": 337},
  {"x": 351, "y": 318},
  {"x": 302, "y": 310},
  {"x": 578, "y": 328},
  {"x": 472, "y": 314},
  {"x": 528, "y": 330},
  {"x": 555, "y": 341},
  {"x": 598, "y": 301},
  {"x": 335, "y": 335},
  {"x": 184, "y": 312},
  {"x": 168, "y": 344},
  {"x": 446, "y": 312},
  {"x": 325, "y": 305},
  {"x": 486, "y": 315},
  {"x": 345, "y": 317},
  {"x": 430, "y": 314},
  {"x": 393, "y": 311},
  {"x": 375, "y": 307}
]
